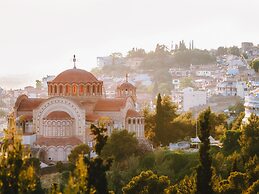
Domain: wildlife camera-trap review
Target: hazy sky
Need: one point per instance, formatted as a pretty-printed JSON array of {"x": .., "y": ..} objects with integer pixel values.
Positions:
[{"x": 39, "y": 37}]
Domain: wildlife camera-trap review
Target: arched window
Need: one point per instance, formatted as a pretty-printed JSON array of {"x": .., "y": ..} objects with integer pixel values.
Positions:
[
  {"x": 81, "y": 91},
  {"x": 93, "y": 89},
  {"x": 138, "y": 121},
  {"x": 74, "y": 89},
  {"x": 134, "y": 121},
  {"x": 60, "y": 89},
  {"x": 67, "y": 89},
  {"x": 129, "y": 121},
  {"x": 98, "y": 89},
  {"x": 55, "y": 89},
  {"x": 87, "y": 89},
  {"x": 51, "y": 89}
]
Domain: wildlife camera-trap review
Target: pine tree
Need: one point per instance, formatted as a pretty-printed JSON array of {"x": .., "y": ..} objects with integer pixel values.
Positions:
[{"x": 204, "y": 170}]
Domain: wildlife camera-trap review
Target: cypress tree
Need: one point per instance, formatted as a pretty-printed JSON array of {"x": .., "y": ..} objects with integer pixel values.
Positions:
[
  {"x": 204, "y": 170},
  {"x": 159, "y": 120}
]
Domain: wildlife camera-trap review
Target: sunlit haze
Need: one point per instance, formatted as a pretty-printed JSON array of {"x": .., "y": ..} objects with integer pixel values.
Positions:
[{"x": 39, "y": 38}]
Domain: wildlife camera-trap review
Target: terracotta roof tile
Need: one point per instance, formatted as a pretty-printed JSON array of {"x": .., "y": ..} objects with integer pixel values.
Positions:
[
  {"x": 133, "y": 113},
  {"x": 110, "y": 104},
  {"x": 58, "y": 141},
  {"x": 29, "y": 104},
  {"x": 92, "y": 117}
]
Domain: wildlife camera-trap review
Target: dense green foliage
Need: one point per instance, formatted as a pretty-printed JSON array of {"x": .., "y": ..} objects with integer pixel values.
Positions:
[
  {"x": 235, "y": 125},
  {"x": 255, "y": 65},
  {"x": 231, "y": 50},
  {"x": 138, "y": 170},
  {"x": 80, "y": 149},
  {"x": 120, "y": 145},
  {"x": 147, "y": 182},
  {"x": 230, "y": 141},
  {"x": 249, "y": 138},
  {"x": 165, "y": 126}
]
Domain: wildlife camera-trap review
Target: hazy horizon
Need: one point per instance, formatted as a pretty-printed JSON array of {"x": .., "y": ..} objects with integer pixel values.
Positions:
[{"x": 39, "y": 38}]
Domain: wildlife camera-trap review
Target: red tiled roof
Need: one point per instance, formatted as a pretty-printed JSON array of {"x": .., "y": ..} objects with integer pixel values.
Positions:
[
  {"x": 133, "y": 113},
  {"x": 75, "y": 76},
  {"x": 28, "y": 117},
  {"x": 58, "y": 141},
  {"x": 58, "y": 115},
  {"x": 110, "y": 104},
  {"x": 92, "y": 117},
  {"x": 29, "y": 104}
]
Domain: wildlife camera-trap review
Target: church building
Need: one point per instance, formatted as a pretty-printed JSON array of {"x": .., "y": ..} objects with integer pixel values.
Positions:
[{"x": 76, "y": 100}]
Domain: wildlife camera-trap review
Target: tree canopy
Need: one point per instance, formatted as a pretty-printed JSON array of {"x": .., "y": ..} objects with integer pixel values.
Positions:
[
  {"x": 147, "y": 182},
  {"x": 120, "y": 145},
  {"x": 80, "y": 149}
]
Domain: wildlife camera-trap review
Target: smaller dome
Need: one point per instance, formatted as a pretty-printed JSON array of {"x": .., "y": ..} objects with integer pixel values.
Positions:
[{"x": 126, "y": 85}]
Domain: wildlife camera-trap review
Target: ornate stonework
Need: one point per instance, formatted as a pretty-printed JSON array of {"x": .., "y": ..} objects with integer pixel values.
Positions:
[{"x": 57, "y": 104}]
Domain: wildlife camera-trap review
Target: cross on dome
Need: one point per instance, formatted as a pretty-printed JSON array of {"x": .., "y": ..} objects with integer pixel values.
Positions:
[{"x": 74, "y": 60}]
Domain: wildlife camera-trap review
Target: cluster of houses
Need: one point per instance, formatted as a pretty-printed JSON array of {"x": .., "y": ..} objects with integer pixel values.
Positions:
[{"x": 230, "y": 76}]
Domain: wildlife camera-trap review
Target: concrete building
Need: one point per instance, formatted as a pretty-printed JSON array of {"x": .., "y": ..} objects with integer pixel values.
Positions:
[{"x": 193, "y": 98}]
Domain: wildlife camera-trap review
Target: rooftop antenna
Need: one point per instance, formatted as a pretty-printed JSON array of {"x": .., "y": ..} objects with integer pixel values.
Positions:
[{"x": 74, "y": 60}]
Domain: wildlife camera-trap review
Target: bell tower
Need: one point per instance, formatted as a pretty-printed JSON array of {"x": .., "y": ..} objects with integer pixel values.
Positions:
[{"x": 126, "y": 89}]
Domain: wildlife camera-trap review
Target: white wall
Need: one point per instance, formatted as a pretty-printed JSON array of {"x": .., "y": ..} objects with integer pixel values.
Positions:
[
  {"x": 28, "y": 139},
  {"x": 193, "y": 98}
]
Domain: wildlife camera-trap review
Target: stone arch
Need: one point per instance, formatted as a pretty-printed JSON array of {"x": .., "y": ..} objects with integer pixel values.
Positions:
[
  {"x": 42, "y": 155},
  {"x": 60, "y": 153},
  {"x": 51, "y": 153},
  {"x": 60, "y": 104}
]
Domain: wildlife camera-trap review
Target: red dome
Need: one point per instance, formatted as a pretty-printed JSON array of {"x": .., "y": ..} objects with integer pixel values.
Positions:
[
  {"x": 126, "y": 85},
  {"x": 75, "y": 76}
]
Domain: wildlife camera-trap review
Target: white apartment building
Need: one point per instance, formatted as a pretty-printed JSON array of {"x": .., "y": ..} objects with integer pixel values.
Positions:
[
  {"x": 193, "y": 98},
  {"x": 251, "y": 104},
  {"x": 203, "y": 73},
  {"x": 232, "y": 88}
]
